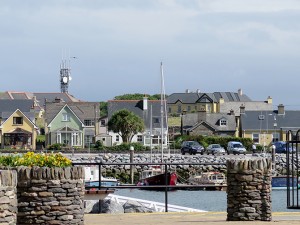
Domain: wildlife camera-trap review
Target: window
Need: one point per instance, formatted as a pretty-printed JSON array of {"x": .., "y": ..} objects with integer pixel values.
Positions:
[
  {"x": 208, "y": 108},
  {"x": 189, "y": 108},
  {"x": 65, "y": 117},
  {"x": 89, "y": 122},
  {"x": 155, "y": 120},
  {"x": 18, "y": 120},
  {"x": 275, "y": 137},
  {"x": 223, "y": 122},
  {"x": 75, "y": 139},
  {"x": 140, "y": 138},
  {"x": 170, "y": 110},
  {"x": 255, "y": 138},
  {"x": 179, "y": 108},
  {"x": 117, "y": 138},
  {"x": 102, "y": 123}
]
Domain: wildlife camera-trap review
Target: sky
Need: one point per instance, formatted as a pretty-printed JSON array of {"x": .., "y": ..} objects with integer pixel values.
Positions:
[{"x": 206, "y": 45}]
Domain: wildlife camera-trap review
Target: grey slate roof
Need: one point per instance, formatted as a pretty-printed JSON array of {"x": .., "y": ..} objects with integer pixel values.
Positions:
[
  {"x": 249, "y": 106},
  {"x": 41, "y": 97},
  {"x": 190, "y": 98},
  {"x": 83, "y": 110},
  {"x": 11, "y": 105},
  {"x": 290, "y": 120},
  {"x": 136, "y": 106},
  {"x": 50, "y": 97},
  {"x": 212, "y": 119}
]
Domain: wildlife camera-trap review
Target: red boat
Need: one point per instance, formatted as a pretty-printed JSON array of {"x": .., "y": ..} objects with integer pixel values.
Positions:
[{"x": 157, "y": 177}]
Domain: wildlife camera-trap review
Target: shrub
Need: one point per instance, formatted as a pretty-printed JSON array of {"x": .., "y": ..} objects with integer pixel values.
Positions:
[
  {"x": 56, "y": 146},
  {"x": 33, "y": 159}
]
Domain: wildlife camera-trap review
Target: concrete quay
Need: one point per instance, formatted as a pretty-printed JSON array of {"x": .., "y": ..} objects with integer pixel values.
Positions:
[{"x": 183, "y": 218}]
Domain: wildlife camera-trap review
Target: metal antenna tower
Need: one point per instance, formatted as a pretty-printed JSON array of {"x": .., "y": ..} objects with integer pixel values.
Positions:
[{"x": 65, "y": 75}]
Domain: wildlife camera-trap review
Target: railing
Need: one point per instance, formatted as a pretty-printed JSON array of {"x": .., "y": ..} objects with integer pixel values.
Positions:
[
  {"x": 166, "y": 169},
  {"x": 293, "y": 170}
]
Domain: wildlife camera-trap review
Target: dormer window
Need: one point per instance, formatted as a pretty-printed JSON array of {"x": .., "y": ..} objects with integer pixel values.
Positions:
[{"x": 223, "y": 122}]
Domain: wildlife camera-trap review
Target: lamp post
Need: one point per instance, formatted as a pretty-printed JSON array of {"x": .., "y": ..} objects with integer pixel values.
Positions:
[{"x": 181, "y": 116}]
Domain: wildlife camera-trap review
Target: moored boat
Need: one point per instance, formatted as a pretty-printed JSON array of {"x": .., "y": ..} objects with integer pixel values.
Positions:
[
  {"x": 155, "y": 176},
  {"x": 92, "y": 179},
  {"x": 280, "y": 182},
  {"x": 209, "y": 181}
]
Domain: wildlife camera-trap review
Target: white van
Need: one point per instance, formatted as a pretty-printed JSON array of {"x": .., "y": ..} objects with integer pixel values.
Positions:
[{"x": 236, "y": 147}]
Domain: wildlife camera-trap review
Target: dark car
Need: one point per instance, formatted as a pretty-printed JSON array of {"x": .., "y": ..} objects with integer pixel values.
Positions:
[
  {"x": 191, "y": 147},
  {"x": 280, "y": 147}
]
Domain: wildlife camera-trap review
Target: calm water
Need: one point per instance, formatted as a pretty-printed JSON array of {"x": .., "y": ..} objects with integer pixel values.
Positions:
[{"x": 204, "y": 200}]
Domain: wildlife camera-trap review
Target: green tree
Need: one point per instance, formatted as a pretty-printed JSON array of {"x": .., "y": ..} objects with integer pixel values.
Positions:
[
  {"x": 103, "y": 109},
  {"x": 126, "y": 123},
  {"x": 137, "y": 96}
]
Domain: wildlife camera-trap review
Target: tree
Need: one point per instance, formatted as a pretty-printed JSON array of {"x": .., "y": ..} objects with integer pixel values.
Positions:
[
  {"x": 126, "y": 123},
  {"x": 103, "y": 109},
  {"x": 137, "y": 96}
]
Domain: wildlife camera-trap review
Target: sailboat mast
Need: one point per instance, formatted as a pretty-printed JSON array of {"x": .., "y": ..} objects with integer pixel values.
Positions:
[{"x": 162, "y": 109}]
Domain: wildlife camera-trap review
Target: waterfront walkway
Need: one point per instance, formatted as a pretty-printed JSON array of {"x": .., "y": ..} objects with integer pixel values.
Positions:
[{"x": 183, "y": 218}]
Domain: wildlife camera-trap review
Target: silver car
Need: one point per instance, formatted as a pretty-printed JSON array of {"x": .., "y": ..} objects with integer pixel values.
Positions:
[{"x": 215, "y": 149}]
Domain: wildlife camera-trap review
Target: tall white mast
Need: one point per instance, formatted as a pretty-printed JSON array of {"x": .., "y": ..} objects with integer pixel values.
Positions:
[{"x": 163, "y": 114}]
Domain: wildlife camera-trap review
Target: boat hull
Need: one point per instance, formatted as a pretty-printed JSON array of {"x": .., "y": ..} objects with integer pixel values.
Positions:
[
  {"x": 159, "y": 181},
  {"x": 280, "y": 182}
]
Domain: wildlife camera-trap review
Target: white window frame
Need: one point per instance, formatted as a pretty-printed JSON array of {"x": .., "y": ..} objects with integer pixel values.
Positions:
[
  {"x": 58, "y": 138},
  {"x": 223, "y": 122},
  {"x": 65, "y": 117},
  {"x": 139, "y": 138}
]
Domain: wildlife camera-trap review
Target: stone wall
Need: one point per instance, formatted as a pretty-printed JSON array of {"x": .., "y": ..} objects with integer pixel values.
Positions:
[
  {"x": 50, "y": 195},
  {"x": 8, "y": 197},
  {"x": 249, "y": 189}
]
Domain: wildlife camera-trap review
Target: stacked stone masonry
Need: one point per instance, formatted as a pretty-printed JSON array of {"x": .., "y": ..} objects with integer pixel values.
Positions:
[
  {"x": 50, "y": 195},
  {"x": 8, "y": 197},
  {"x": 249, "y": 190}
]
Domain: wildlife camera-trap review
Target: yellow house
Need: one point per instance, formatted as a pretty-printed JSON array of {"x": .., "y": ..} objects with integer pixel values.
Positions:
[{"x": 18, "y": 132}]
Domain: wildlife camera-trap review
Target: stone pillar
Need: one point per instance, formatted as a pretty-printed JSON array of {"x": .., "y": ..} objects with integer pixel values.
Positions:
[
  {"x": 249, "y": 189},
  {"x": 50, "y": 195},
  {"x": 8, "y": 197}
]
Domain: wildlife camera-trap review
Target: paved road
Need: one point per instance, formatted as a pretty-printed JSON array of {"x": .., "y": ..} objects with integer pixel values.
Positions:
[{"x": 209, "y": 218}]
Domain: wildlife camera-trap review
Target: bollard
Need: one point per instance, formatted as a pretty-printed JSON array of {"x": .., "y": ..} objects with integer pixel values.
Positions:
[
  {"x": 131, "y": 161},
  {"x": 273, "y": 157}
]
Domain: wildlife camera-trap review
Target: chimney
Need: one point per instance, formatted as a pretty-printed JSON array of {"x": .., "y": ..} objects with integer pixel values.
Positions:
[
  {"x": 242, "y": 109},
  {"x": 231, "y": 112},
  {"x": 240, "y": 92},
  {"x": 269, "y": 100},
  {"x": 145, "y": 103},
  {"x": 280, "y": 109},
  {"x": 187, "y": 91},
  {"x": 201, "y": 115},
  {"x": 221, "y": 100}
]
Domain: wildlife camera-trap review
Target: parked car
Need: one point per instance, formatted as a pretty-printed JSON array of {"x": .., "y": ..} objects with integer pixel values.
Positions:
[
  {"x": 236, "y": 147},
  {"x": 191, "y": 147},
  {"x": 215, "y": 149},
  {"x": 280, "y": 147}
]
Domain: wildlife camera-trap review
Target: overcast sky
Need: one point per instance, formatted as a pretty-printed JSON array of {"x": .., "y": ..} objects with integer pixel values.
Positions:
[{"x": 210, "y": 45}]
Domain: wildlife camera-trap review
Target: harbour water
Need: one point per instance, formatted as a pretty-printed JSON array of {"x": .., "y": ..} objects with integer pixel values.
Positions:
[{"x": 204, "y": 200}]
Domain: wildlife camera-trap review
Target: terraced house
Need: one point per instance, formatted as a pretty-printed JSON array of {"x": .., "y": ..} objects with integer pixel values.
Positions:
[{"x": 216, "y": 113}]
